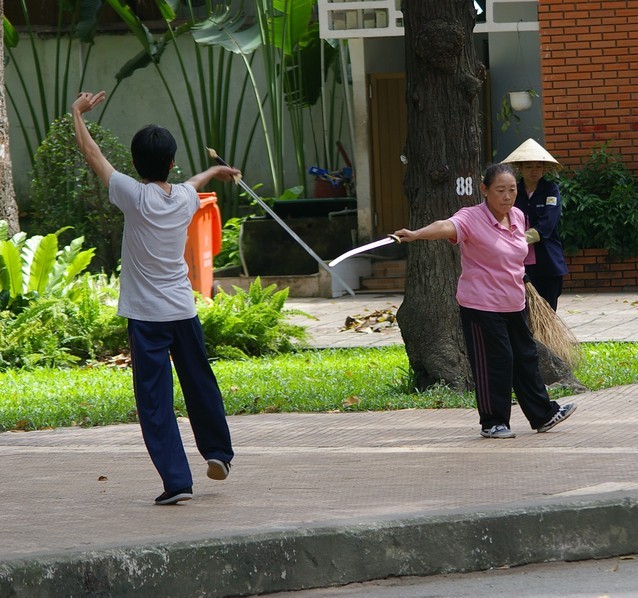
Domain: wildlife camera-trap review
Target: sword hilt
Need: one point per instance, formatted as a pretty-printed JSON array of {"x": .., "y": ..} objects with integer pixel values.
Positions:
[{"x": 215, "y": 156}]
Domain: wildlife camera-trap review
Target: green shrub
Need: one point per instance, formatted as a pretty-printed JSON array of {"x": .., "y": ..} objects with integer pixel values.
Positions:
[
  {"x": 34, "y": 267},
  {"x": 53, "y": 314},
  {"x": 81, "y": 324},
  {"x": 61, "y": 330},
  {"x": 229, "y": 254},
  {"x": 249, "y": 323},
  {"x": 600, "y": 207},
  {"x": 65, "y": 190}
]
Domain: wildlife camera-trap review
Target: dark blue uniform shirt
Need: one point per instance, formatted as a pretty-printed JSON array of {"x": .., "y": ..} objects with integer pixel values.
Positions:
[{"x": 542, "y": 211}]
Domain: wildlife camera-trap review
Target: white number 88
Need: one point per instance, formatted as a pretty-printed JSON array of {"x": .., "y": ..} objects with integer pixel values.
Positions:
[{"x": 464, "y": 185}]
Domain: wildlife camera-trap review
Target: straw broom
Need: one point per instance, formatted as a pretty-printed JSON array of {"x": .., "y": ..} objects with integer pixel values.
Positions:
[{"x": 548, "y": 328}]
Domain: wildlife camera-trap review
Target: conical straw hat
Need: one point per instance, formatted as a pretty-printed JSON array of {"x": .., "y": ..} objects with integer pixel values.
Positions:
[{"x": 531, "y": 151}]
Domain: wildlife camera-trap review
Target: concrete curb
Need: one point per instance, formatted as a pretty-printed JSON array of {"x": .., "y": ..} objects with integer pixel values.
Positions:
[{"x": 354, "y": 552}]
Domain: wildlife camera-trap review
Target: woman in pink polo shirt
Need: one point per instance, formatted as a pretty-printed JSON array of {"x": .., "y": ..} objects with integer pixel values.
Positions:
[{"x": 491, "y": 296}]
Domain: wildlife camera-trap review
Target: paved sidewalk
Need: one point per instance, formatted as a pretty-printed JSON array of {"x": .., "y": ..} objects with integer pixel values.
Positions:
[
  {"x": 321, "y": 499},
  {"x": 591, "y": 317}
]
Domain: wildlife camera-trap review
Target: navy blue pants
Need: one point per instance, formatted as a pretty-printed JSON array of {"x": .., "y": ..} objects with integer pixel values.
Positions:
[
  {"x": 548, "y": 287},
  {"x": 503, "y": 355},
  {"x": 152, "y": 345}
]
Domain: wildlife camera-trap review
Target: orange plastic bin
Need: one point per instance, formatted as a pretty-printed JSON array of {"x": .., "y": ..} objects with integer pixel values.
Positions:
[{"x": 204, "y": 241}]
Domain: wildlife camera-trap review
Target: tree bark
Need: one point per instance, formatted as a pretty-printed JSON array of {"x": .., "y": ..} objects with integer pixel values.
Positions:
[
  {"x": 8, "y": 205},
  {"x": 443, "y": 77}
]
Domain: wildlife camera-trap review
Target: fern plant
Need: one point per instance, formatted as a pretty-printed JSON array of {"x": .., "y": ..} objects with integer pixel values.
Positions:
[
  {"x": 250, "y": 323},
  {"x": 61, "y": 330},
  {"x": 34, "y": 267}
]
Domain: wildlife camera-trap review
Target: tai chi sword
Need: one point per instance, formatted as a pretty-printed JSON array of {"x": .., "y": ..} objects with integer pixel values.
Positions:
[
  {"x": 367, "y": 247},
  {"x": 213, "y": 154}
]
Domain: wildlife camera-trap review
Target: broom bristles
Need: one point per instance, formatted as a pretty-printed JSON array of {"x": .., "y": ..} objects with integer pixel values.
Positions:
[{"x": 548, "y": 328}]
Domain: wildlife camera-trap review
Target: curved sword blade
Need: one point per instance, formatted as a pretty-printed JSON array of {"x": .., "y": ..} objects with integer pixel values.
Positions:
[{"x": 363, "y": 248}]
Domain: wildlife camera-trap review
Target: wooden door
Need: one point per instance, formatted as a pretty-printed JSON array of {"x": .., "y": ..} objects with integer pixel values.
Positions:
[{"x": 388, "y": 121}]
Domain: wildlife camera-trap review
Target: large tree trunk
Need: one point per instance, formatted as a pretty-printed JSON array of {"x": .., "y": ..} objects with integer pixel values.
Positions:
[
  {"x": 443, "y": 77},
  {"x": 8, "y": 206}
]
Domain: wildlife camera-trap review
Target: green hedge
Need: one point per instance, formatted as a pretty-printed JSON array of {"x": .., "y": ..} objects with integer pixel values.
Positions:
[{"x": 600, "y": 206}]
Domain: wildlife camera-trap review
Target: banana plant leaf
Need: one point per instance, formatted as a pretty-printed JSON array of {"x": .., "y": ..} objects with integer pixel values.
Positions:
[
  {"x": 168, "y": 9},
  {"x": 156, "y": 49},
  {"x": 141, "y": 60},
  {"x": 79, "y": 264},
  {"x": 66, "y": 257},
  {"x": 233, "y": 32},
  {"x": 4, "y": 230},
  {"x": 289, "y": 22},
  {"x": 88, "y": 17},
  {"x": 125, "y": 12},
  {"x": 302, "y": 83}
]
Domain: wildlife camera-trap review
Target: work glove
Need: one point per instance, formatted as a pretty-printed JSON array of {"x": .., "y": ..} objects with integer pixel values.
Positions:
[{"x": 532, "y": 236}]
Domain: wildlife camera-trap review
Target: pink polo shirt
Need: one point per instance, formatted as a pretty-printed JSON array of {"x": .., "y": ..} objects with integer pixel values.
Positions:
[{"x": 492, "y": 259}]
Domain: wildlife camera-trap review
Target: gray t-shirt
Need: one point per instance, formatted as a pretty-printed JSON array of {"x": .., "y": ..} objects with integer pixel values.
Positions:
[{"x": 154, "y": 284}]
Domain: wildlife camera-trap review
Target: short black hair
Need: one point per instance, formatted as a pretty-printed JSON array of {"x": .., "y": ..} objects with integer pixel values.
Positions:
[{"x": 153, "y": 149}]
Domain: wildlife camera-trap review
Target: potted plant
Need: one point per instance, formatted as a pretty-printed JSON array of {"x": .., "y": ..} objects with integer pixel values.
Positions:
[
  {"x": 512, "y": 102},
  {"x": 521, "y": 100}
]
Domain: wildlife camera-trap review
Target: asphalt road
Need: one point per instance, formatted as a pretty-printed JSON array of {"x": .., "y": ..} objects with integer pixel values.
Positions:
[{"x": 608, "y": 578}]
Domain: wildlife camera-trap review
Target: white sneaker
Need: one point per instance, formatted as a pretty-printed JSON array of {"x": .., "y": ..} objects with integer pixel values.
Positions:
[
  {"x": 560, "y": 416},
  {"x": 498, "y": 431}
]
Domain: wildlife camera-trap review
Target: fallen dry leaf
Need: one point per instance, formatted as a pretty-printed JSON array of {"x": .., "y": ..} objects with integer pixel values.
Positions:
[
  {"x": 375, "y": 321},
  {"x": 351, "y": 400},
  {"x": 121, "y": 361}
]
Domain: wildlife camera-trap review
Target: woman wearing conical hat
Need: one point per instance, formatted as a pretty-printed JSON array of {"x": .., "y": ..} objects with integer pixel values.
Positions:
[{"x": 539, "y": 199}]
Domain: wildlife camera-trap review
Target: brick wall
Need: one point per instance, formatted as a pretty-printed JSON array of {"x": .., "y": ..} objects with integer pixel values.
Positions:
[
  {"x": 594, "y": 270},
  {"x": 588, "y": 56}
]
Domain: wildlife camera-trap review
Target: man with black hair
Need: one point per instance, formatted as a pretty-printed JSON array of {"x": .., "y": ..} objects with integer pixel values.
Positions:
[{"x": 157, "y": 299}]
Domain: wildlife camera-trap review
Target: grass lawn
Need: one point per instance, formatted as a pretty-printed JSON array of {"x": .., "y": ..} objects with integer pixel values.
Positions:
[{"x": 309, "y": 381}]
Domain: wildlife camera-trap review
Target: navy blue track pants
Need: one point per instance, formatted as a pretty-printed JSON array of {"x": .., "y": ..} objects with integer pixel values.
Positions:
[{"x": 152, "y": 345}]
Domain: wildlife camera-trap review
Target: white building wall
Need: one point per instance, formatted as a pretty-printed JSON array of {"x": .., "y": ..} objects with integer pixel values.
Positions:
[{"x": 139, "y": 100}]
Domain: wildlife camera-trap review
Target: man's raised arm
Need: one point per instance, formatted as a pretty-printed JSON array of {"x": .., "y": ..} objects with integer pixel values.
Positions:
[{"x": 85, "y": 102}]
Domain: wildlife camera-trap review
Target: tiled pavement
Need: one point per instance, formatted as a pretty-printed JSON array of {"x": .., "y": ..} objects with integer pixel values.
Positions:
[{"x": 591, "y": 317}]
